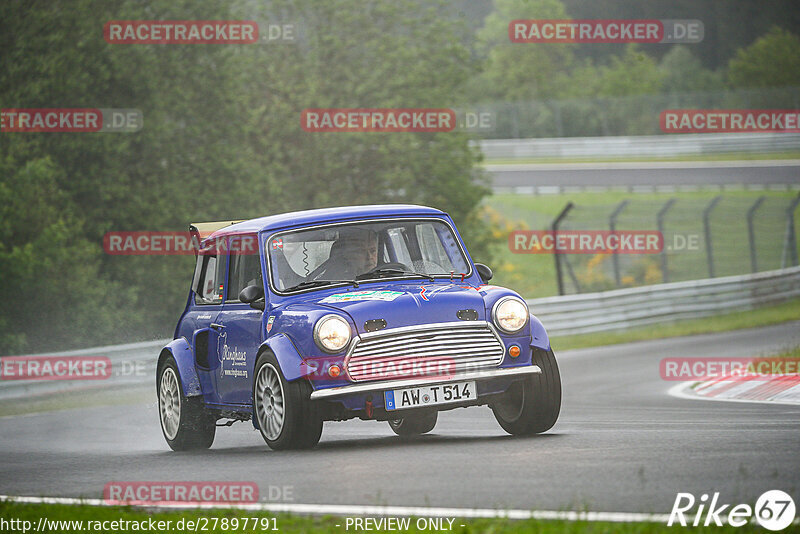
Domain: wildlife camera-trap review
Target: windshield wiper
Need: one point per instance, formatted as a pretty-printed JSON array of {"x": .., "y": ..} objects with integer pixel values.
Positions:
[
  {"x": 391, "y": 271},
  {"x": 317, "y": 283}
]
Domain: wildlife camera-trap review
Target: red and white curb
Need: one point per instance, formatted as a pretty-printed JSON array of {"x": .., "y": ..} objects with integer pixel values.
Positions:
[{"x": 773, "y": 390}]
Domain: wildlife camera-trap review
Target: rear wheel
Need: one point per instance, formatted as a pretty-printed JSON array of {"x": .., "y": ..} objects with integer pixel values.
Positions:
[
  {"x": 532, "y": 405},
  {"x": 414, "y": 425},
  {"x": 286, "y": 417},
  {"x": 185, "y": 422}
]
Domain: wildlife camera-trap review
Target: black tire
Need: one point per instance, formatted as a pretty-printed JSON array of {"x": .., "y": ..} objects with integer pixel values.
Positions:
[
  {"x": 301, "y": 424},
  {"x": 414, "y": 425},
  {"x": 531, "y": 406},
  {"x": 185, "y": 421},
  {"x": 311, "y": 433}
]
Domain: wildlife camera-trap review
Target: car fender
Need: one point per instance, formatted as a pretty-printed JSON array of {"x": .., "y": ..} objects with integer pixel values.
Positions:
[
  {"x": 492, "y": 294},
  {"x": 182, "y": 352},
  {"x": 290, "y": 361},
  {"x": 539, "y": 337}
]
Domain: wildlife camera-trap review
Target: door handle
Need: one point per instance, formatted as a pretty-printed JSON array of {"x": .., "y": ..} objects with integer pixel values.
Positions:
[{"x": 217, "y": 326}]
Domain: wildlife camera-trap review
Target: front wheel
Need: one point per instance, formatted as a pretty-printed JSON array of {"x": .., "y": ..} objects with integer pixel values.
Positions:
[
  {"x": 414, "y": 425},
  {"x": 531, "y": 406},
  {"x": 185, "y": 422},
  {"x": 286, "y": 417}
]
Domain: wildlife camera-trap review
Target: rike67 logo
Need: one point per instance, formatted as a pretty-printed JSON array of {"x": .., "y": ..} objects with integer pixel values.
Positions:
[{"x": 774, "y": 510}]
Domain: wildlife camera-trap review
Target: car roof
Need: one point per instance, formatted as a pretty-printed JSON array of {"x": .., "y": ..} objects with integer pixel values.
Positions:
[{"x": 325, "y": 215}]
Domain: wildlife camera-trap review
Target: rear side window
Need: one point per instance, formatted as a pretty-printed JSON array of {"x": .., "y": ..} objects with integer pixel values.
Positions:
[{"x": 211, "y": 281}]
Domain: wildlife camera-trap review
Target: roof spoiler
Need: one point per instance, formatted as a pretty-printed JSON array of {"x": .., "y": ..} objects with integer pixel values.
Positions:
[{"x": 200, "y": 231}]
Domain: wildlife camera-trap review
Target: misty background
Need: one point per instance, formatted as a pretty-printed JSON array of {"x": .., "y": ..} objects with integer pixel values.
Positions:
[{"x": 222, "y": 136}]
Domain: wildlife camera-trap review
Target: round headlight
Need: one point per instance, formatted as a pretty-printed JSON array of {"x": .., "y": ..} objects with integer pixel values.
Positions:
[
  {"x": 510, "y": 314},
  {"x": 332, "y": 333}
]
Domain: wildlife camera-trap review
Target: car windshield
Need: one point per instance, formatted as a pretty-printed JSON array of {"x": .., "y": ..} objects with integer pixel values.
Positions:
[{"x": 364, "y": 251}]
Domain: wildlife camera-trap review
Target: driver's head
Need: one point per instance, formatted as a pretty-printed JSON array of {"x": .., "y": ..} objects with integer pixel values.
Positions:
[{"x": 360, "y": 249}]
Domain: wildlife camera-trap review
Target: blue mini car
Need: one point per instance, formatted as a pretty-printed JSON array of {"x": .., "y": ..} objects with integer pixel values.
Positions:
[{"x": 375, "y": 312}]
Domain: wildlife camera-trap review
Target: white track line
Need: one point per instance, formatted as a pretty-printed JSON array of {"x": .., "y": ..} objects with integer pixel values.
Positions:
[
  {"x": 358, "y": 510},
  {"x": 679, "y": 391}
]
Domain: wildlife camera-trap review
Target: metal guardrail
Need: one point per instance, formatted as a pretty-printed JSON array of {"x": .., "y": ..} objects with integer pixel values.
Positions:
[
  {"x": 573, "y": 314},
  {"x": 573, "y": 148},
  {"x": 132, "y": 364},
  {"x": 620, "y": 309}
]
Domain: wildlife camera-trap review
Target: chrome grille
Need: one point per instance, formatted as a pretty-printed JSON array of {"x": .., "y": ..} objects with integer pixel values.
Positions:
[{"x": 406, "y": 352}]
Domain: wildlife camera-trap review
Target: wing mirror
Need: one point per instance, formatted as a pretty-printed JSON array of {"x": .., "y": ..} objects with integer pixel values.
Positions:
[
  {"x": 254, "y": 296},
  {"x": 484, "y": 272}
]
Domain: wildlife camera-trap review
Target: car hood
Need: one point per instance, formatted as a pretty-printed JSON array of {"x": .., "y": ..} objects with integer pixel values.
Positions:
[{"x": 406, "y": 304}]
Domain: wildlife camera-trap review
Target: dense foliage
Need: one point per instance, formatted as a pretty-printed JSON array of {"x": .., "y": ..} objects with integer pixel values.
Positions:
[{"x": 222, "y": 136}]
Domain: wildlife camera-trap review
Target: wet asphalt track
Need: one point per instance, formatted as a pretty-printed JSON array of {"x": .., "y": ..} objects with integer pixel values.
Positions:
[{"x": 621, "y": 444}]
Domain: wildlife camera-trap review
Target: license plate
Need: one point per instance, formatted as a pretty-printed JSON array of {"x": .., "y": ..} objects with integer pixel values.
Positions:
[{"x": 399, "y": 399}]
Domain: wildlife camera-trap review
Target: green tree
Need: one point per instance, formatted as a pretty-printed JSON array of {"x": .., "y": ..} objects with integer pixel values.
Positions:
[
  {"x": 49, "y": 268},
  {"x": 683, "y": 72},
  {"x": 358, "y": 54},
  {"x": 612, "y": 99},
  {"x": 221, "y": 140},
  {"x": 632, "y": 73},
  {"x": 178, "y": 167},
  {"x": 521, "y": 71},
  {"x": 772, "y": 61}
]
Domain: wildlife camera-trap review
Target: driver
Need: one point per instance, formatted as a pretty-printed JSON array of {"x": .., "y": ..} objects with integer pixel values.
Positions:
[{"x": 355, "y": 253}]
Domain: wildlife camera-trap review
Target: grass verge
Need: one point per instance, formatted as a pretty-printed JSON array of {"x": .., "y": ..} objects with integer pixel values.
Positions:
[
  {"x": 768, "y": 315},
  {"x": 792, "y": 353},
  {"x": 289, "y": 523},
  {"x": 534, "y": 275}
]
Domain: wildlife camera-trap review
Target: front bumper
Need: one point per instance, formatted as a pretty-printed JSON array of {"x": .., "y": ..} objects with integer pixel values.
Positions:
[{"x": 352, "y": 389}]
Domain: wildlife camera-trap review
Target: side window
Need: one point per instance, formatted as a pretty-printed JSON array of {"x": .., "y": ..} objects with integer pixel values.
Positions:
[
  {"x": 398, "y": 242},
  {"x": 431, "y": 247},
  {"x": 211, "y": 281},
  {"x": 244, "y": 269}
]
